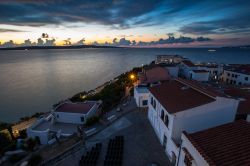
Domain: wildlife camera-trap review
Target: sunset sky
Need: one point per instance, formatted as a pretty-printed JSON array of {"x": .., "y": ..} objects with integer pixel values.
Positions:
[{"x": 157, "y": 23}]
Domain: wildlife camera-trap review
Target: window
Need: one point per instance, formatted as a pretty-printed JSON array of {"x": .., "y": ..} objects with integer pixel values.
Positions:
[
  {"x": 232, "y": 75},
  {"x": 152, "y": 101},
  {"x": 166, "y": 120},
  {"x": 236, "y": 76},
  {"x": 154, "y": 105},
  {"x": 82, "y": 119},
  {"x": 162, "y": 115},
  {"x": 228, "y": 74},
  {"x": 145, "y": 102},
  {"x": 57, "y": 116},
  {"x": 164, "y": 142},
  {"x": 246, "y": 78},
  {"x": 240, "y": 83},
  {"x": 227, "y": 80}
]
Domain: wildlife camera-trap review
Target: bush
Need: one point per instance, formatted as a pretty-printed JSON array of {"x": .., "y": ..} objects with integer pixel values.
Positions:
[
  {"x": 34, "y": 160},
  {"x": 92, "y": 120}
]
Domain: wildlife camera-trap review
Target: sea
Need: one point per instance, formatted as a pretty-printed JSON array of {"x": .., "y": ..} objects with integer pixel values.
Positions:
[{"x": 33, "y": 80}]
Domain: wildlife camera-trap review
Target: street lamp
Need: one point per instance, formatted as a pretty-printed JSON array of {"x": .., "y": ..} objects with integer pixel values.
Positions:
[{"x": 132, "y": 76}]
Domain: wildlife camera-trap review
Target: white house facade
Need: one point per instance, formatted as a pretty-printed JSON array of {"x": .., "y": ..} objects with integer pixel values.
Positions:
[
  {"x": 141, "y": 94},
  {"x": 64, "y": 120},
  {"x": 235, "y": 77},
  {"x": 177, "y": 106},
  {"x": 199, "y": 75}
]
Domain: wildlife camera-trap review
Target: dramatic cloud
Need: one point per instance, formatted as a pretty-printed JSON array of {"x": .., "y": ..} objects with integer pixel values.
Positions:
[
  {"x": 10, "y": 30},
  {"x": 222, "y": 26},
  {"x": 115, "y": 42},
  {"x": 170, "y": 40},
  {"x": 80, "y": 42},
  {"x": 108, "y": 12}
]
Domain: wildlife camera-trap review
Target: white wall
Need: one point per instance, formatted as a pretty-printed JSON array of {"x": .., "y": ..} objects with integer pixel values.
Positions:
[
  {"x": 173, "y": 70},
  {"x": 160, "y": 128},
  {"x": 43, "y": 135},
  {"x": 75, "y": 118},
  {"x": 199, "y": 76},
  {"x": 219, "y": 112},
  {"x": 198, "y": 159},
  {"x": 139, "y": 97},
  {"x": 240, "y": 80}
]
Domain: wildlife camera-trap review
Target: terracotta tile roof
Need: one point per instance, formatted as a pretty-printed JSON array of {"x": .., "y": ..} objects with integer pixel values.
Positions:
[
  {"x": 224, "y": 145},
  {"x": 153, "y": 74},
  {"x": 82, "y": 108},
  {"x": 200, "y": 71},
  {"x": 188, "y": 63},
  {"x": 202, "y": 88},
  {"x": 176, "y": 96}
]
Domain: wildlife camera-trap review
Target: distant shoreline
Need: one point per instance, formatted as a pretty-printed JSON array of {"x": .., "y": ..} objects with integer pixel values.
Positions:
[
  {"x": 95, "y": 46},
  {"x": 56, "y": 47}
]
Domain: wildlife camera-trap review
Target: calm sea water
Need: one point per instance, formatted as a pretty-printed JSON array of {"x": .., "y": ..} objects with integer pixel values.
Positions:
[{"x": 32, "y": 81}]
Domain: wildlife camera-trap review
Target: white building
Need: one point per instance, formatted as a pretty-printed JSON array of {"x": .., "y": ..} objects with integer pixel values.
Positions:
[
  {"x": 222, "y": 145},
  {"x": 181, "y": 105},
  {"x": 186, "y": 67},
  {"x": 168, "y": 59},
  {"x": 141, "y": 94},
  {"x": 173, "y": 69},
  {"x": 200, "y": 72},
  {"x": 199, "y": 75},
  {"x": 236, "y": 74},
  {"x": 64, "y": 120}
]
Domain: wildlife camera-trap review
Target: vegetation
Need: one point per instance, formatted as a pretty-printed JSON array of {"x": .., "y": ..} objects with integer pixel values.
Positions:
[
  {"x": 5, "y": 141},
  {"x": 92, "y": 120},
  {"x": 35, "y": 160},
  {"x": 113, "y": 92},
  {"x": 36, "y": 115}
]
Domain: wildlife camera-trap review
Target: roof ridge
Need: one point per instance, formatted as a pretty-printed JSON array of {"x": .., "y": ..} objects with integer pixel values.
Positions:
[{"x": 195, "y": 87}]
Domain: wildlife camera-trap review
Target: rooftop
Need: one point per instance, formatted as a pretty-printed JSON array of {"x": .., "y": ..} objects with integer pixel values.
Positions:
[
  {"x": 142, "y": 89},
  {"x": 82, "y": 108},
  {"x": 66, "y": 128},
  {"x": 154, "y": 73},
  {"x": 176, "y": 96},
  {"x": 200, "y": 71},
  {"x": 224, "y": 145},
  {"x": 188, "y": 63}
]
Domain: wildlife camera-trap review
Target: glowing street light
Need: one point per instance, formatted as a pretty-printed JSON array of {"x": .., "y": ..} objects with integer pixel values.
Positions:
[{"x": 132, "y": 76}]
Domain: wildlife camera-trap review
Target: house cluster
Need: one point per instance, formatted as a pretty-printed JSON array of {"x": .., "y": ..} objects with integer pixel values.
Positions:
[
  {"x": 64, "y": 120},
  {"x": 197, "y": 123}
]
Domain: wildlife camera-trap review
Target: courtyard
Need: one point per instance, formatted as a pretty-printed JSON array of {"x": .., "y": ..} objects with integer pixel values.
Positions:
[{"x": 141, "y": 146}]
